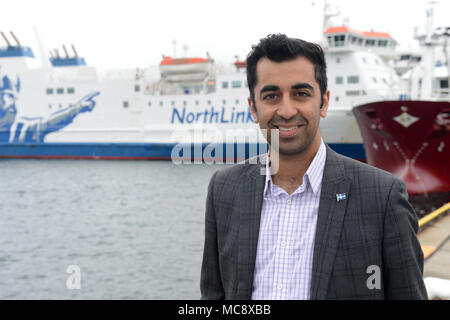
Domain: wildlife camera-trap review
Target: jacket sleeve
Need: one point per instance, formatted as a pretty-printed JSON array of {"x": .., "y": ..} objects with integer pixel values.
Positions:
[
  {"x": 402, "y": 254},
  {"x": 211, "y": 287}
]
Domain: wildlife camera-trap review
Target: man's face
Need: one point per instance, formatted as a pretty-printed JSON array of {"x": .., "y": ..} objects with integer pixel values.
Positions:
[{"x": 287, "y": 99}]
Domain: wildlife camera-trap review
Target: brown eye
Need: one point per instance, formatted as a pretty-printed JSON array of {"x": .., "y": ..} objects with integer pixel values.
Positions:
[
  {"x": 269, "y": 96},
  {"x": 302, "y": 94}
]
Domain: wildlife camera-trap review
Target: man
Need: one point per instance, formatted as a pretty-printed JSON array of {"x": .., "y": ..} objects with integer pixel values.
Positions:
[
  {"x": 322, "y": 226},
  {"x": 34, "y": 130}
]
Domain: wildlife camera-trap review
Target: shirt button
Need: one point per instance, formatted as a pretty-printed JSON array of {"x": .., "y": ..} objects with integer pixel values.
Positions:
[
  {"x": 280, "y": 286},
  {"x": 283, "y": 243},
  {"x": 289, "y": 201}
]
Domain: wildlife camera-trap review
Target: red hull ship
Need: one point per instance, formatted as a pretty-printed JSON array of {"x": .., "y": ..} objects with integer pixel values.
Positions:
[{"x": 410, "y": 139}]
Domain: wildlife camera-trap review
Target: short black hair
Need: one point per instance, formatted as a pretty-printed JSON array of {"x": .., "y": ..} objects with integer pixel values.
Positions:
[{"x": 280, "y": 48}]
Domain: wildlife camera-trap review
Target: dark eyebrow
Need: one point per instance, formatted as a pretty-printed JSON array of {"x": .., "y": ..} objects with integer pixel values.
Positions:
[
  {"x": 302, "y": 85},
  {"x": 269, "y": 88}
]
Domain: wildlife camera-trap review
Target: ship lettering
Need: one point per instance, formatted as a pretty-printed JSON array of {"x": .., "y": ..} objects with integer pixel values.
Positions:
[
  {"x": 222, "y": 120},
  {"x": 210, "y": 116}
]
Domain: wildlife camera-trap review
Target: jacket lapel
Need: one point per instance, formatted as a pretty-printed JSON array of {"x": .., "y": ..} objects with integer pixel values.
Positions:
[
  {"x": 329, "y": 223},
  {"x": 250, "y": 217}
]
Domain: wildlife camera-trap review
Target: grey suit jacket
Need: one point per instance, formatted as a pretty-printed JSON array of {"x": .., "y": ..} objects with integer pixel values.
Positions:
[{"x": 374, "y": 226}]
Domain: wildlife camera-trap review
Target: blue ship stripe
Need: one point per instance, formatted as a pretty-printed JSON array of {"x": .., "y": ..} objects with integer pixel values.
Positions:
[{"x": 142, "y": 150}]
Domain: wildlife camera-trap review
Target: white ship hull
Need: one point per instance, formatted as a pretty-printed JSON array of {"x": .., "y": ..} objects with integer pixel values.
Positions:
[{"x": 79, "y": 112}]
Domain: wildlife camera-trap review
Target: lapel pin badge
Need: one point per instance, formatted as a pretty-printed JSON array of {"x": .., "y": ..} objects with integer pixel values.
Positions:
[{"x": 340, "y": 196}]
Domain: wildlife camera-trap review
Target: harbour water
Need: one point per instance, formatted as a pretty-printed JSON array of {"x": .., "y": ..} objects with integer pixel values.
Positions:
[{"x": 135, "y": 229}]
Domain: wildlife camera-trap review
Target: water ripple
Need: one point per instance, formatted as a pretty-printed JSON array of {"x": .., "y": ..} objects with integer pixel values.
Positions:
[{"x": 135, "y": 229}]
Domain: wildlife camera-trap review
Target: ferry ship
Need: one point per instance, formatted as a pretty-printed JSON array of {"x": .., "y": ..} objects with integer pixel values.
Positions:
[
  {"x": 410, "y": 137},
  {"x": 186, "y": 107}
]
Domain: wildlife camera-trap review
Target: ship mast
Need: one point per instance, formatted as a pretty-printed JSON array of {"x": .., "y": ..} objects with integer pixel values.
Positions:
[
  {"x": 447, "y": 57},
  {"x": 428, "y": 55},
  {"x": 328, "y": 14}
]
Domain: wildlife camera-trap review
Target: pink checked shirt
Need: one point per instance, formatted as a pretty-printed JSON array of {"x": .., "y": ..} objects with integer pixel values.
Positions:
[{"x": 286, "y": 238}]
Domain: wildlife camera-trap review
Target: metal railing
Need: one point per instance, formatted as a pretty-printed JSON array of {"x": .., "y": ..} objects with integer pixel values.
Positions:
[{"x": 433, "y": 215}]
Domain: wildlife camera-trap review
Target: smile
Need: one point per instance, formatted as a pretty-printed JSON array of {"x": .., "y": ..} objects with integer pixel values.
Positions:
[{"x": 285, "y": 132}]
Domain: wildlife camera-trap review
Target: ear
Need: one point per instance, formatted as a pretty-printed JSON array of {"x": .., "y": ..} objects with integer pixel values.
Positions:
[
  {"x": 253, "y": 110},
  {"x": 326, "y": 101}
]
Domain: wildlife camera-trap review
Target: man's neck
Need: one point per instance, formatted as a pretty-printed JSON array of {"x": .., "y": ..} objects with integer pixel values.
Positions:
[{"x": 292, "y": 168}]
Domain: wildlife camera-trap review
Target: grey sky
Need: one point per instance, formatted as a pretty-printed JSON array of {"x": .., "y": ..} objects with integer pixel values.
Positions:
[{"x": 135, "y": 33}]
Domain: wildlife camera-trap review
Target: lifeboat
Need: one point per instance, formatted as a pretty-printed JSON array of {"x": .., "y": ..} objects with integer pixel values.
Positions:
[
  {"x": 172, "y": 66},
  {"x": 239, "y": 64}
]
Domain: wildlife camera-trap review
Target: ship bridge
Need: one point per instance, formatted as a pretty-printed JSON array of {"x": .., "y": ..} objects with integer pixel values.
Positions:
[{"x": 343, "y": 38}]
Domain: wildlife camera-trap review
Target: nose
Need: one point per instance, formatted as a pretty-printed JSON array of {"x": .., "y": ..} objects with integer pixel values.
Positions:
[{"x": 287, "y": 108}]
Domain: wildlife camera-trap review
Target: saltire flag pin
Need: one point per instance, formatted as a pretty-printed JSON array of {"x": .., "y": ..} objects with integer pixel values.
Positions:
[{"x": 340, "y": 196}]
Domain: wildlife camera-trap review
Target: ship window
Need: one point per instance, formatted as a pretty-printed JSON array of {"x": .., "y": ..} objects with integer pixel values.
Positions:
[
  {"x": 224, "y": 101},
  {"x": 360, "y": 41},
  {"x": 125, "y": 104},
  {"x": 444, "y": 83},
  {"x": 352, "y": 39},
  {"x": 70, "y": 90},
  {"x": 404, "y": 57},
  {"x": 237, "y": 101},
  {"x": 60, "y": 90},
  {"x": 196, "y": 102},
  {"x": 209, "y": 102},
  {"x": 382, "y": 43},
  {"x": 161, "y": 103},
  {"x": 184, "y": 103},
  {"x": 339, "y": 40},
  {"x": 384, "y": 81},
  {"x": 49, "y": 91},
  {"x": 330, "y": 41},
  {"x": 339, "y": 80},
  {"x": 352, "y": 79},
  {"x": 337, "y": 98},
  {"x": 224, "y": 84},
  {"x": 236, "y": 84},
  {"x": 149, "y": 104},
  {"x": 377, "y": 61},
  {"x": 352, "y": 93},
  {"x": 364, "y": 60},
  {"x": 370, "y": 43},
  {"x": 49, "y": 106},
  {"x": 374, "y": 79},
  {"x": 172, "y": 103},
  {"x": 338, "y": 60},
  {"x": 246, "y": 84},
  {"x": 60, "y": 105},
  {"x": 137, "y": 88}
]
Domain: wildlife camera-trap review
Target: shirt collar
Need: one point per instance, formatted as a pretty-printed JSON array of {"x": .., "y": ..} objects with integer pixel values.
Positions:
[{"x": 313, "y": 175}]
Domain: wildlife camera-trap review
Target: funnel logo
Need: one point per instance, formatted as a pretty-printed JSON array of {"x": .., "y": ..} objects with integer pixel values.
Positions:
[{"x": 33, "y": 130}]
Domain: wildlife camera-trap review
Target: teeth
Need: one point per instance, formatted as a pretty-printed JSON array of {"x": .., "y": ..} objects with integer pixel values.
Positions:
[{"x": 287, "y": 129}]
